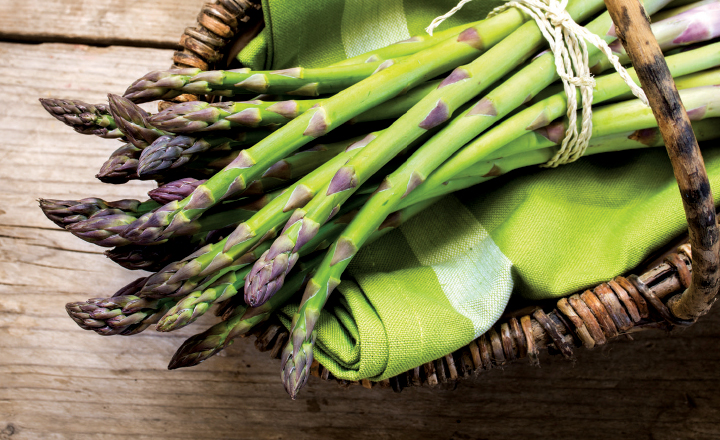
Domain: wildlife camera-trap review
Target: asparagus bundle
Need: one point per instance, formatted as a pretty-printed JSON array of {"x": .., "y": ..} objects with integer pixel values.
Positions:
[{"x": 257, "y": 199}]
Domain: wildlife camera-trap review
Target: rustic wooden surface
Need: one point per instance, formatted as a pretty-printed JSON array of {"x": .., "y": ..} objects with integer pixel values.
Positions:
[
  {"x": 149, "y": 23},
  {"x": 59, "y": 382}
]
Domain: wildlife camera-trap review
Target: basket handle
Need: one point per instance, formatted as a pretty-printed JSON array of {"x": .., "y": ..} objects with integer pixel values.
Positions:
[{"x": 633, "y": 29}]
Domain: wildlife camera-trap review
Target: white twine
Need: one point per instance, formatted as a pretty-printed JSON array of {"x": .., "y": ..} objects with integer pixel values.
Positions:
[{"x": 567, "y": 43}]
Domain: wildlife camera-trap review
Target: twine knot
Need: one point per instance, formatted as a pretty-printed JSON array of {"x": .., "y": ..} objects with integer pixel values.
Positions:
[
  {"x": 559, "y": 17},
  {"x": 579, "y": 81}
]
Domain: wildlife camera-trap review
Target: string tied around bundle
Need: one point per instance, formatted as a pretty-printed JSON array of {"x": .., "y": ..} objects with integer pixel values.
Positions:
[{"x": 567, "y": 41}]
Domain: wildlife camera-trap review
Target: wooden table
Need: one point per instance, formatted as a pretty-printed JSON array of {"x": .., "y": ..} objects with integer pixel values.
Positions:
[{"x": 57, "y": 381}]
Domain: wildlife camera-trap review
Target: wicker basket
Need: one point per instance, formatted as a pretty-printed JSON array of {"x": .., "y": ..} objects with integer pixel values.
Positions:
[{"x": 594, "y": 317}]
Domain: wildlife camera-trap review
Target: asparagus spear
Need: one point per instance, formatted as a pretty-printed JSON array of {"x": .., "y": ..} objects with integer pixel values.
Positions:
[
  {"x": 268, "y": 274},
  {"x": 280, "y": 173},
  {"x": 170, "y": 282},
  {"x": 174, "y": 152},
  {"x": 170, "y": 152},
  {"x": 67, "y": 212},
  {"x": 103, "y": 225},
  {"x": 126, "y": 314},
  {"x": 103, "y": 228},
  {"x": 403, "y": 48},
  {"x": 198, "y": 116},
  {"x": 168, "y": 251},
  {"x": 95, "y": 220},
  {"x": 295, "y": 81},
  {"x": 82, "y": 117},
  {"x": 316, "y": 122},
  {"x": 296, "y": 363},
  {"x": 514, "y": 156},
  {"x": 611, "y": 85},
  {"x": 123, "y": 315}
]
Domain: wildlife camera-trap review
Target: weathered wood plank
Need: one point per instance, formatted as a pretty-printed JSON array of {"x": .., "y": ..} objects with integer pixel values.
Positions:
[
  {"x": 152, "y": 23},
  {"x": 57, "y": 381}
]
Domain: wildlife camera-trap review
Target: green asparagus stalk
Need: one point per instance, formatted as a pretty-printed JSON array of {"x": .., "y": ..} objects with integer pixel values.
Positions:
[
  {"x": 82, "y": 117},
  {"x": 213, "y": 262},
  {"x": 173, "y": 152},
  {"x": 163, "y": 284},
  {"x": 316, "y": 122},
  {"x": 403, "y": 48},
  {"x": 204, "y": 345},
  {"x": 194, "y": 305},
  {"x": 268, "y": 274},
  {"x": 195, "y": 117},
  {"x": 297, "y": 81},
  {"x": 380, "y": 203},
  {"x": 706, "y": 129},
  {"x": 95, "y": 220},
  {"x": 103, "y": 228},
  {"x": 297, "y": 355},
  {"x": 155, "y": 258},
  {"x": 283, "y": 171}
]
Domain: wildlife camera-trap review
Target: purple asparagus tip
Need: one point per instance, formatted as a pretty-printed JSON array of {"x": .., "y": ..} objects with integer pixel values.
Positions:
[
  {"x": 132, "y": 121},
  {"x": 175, "y": 190}
]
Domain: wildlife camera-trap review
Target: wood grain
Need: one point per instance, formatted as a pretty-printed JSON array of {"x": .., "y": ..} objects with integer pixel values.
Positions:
[
  {"x": 151, "y": 23},
  {"x": 59, "y": 382}
]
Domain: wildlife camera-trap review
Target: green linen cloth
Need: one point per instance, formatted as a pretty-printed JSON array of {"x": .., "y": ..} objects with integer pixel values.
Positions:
[{"x": 445, "y": 276}]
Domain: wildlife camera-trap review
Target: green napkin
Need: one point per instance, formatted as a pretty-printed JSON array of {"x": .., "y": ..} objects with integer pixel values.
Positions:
[{"x": 445, "y": 277}]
